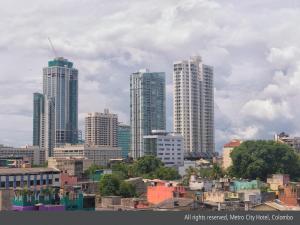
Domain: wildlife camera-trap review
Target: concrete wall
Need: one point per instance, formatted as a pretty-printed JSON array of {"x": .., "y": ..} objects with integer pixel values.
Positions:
[
  {"x": 6, "y": 197},
  {"x": 110, "y": 201}
]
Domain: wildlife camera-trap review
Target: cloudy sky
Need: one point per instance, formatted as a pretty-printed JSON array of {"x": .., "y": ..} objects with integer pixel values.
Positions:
[{"x": 254, "y": 46}]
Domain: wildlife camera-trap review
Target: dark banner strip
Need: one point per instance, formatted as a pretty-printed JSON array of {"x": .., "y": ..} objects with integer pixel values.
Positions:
[{"x": 148, "y": 218}]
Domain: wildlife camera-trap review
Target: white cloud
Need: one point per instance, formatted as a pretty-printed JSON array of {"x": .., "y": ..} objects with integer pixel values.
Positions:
[
  {"x": 253, "y": 45},
  {"x": 266, "y": 110}
]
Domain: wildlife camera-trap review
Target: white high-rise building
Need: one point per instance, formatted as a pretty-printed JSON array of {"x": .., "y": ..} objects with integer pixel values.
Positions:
[{"x": 194, "y": 104}]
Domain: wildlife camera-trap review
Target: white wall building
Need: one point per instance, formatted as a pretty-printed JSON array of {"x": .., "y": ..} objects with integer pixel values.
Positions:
[
  {"x": 194, "y": 104},
  {"x": 99, "y": 155},
  {"x": 166, "y": 146}
]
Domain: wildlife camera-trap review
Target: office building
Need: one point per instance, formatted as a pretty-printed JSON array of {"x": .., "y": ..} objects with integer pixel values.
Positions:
[
  {"x": 124, "y": 138},
  {"x": 34, "y": 154},
  {"x": 194, "y": 104},
  {"x": 101, "y": 129},
  {"x": 99, "y": 155},
  {"x": 55, "y": 117},
  {"x": 147, "y": 107},
  {"x": 168, "y": 147}
]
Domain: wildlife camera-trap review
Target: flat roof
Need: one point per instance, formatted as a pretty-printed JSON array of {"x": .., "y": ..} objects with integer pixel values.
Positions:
[{"x": 38, "y": 170}]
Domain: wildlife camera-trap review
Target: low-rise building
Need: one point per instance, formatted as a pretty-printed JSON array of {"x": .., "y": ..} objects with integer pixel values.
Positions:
[
  {"x": 200, "y": 184},
  {"x": 227, "y": 149},
  {"x": 186, "y": 164},
  {"x": 160, "y": 191},
  {"x": 250, "y": 196},
  {"x": 74, "y": 166},
  {"x": 238, "y": 185},
  {"x": 99, "y": 155},
  {"x": 31, "y": 178},
  {"x": 15, "y": 162},
  {"x": 290, "y": 194},
  {"x": 284, "y": 138},
  {"x": 168, "y": 147},
  {"x": 35, "y": 154},
  {"x": 220, "y": 196},
  {"x": 278, "y": 180}
]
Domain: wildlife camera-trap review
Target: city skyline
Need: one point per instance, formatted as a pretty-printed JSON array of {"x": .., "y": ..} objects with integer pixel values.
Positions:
[{"x": 256, "y": 68}]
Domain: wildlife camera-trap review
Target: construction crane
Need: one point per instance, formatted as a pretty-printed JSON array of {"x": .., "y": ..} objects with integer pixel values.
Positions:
[{"x": 53, "y": 49}]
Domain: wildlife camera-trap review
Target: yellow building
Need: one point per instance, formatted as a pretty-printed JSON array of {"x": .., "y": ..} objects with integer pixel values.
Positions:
[{"x": 227, "y": 149}]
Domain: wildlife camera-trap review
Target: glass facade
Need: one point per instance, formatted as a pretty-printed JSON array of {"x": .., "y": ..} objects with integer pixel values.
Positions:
[
  {"x": 147, "y": 107},
  {"x": 38, "y": 110},
  {"x": 55, "y": 119},
  {"x": 124, "y": 138}
]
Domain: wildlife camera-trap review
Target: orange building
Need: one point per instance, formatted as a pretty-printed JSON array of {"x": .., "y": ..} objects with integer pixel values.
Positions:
[
  {"x": 161, "y": 191},
  {"x": 290, "y": 194}
]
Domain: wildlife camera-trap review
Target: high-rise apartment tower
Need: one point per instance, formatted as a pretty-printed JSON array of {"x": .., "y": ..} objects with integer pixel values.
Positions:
[{"x": 194, "y": 104}]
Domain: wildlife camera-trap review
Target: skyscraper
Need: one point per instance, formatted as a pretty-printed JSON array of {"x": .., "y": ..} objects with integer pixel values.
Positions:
[
  {"x": 124, "y": 139},
  {"x": 194, "y": 104},
  {"x": 38, "y": 112},
  {"x": 147, "y": 107},
  {"x": 101, "y": 129},
  {"x": 58, "y": 114}
]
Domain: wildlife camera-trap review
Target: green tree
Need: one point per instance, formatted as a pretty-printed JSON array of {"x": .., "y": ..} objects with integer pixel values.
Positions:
[
  {"x": 121, "y": 169},
  {"x": 216, "y": 172},
  {"x": 166, "y": 173},
  {"x": 127, "y": 190},
  {"x": 92, "y": 169},
  {"x": 205, "y": 172},
  {"x": 109, "y": 185},
  {"x": 146, "y": 165},
  {"x": 258, "y": 159}
]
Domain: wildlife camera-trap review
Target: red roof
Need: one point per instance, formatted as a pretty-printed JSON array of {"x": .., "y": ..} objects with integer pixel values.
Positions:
[{"x": 233, "y": 143}]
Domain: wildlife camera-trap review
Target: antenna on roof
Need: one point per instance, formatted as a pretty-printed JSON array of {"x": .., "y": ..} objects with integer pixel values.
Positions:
[{"x": 53, "y": 49}]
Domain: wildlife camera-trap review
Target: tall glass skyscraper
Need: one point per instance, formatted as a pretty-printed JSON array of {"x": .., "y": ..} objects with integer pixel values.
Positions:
[
  {"x": 124, "y": 139},
  {"x": 38, "y": 112},
  {"x": 59, "y": 123},
  {"x": 147, "y": 107}
]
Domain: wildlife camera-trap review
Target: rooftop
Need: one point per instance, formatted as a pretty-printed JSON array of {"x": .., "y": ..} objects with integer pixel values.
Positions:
[
  {"x": 9, "y": 171},
  {"x": 233, "y": 143}
]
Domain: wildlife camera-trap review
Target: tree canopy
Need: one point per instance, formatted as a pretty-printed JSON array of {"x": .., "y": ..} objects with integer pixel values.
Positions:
[
  {"x": 147, "y": 167},
  {"x": 258, "y": 159},
  {"x": 109, "y": 185}
]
